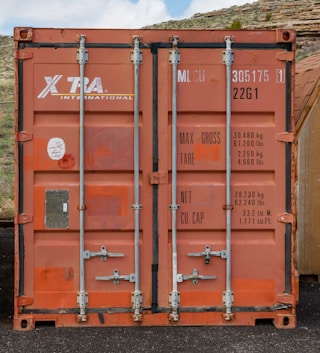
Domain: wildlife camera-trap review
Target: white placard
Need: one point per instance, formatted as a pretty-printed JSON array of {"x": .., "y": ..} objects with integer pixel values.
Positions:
[{"x": 56, "y": 148}]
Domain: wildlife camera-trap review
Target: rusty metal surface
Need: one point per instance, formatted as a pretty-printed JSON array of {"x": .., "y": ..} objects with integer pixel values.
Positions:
[{"x": 264, "y": 281}]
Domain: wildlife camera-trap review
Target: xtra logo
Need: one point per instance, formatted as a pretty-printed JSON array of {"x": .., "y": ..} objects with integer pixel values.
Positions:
[{"x": 93, "y": 89}]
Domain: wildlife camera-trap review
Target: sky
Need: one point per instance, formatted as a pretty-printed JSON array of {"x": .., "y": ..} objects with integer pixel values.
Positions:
[{"x": 101, "y": 13}]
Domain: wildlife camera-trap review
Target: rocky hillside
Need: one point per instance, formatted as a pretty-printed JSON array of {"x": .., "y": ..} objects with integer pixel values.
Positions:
[
  {"x": 6, "y": 57},
  {"x": 302, "y": 15}
]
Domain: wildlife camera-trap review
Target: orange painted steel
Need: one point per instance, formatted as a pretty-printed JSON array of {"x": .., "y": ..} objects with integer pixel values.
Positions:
[{"x": 263, "y": 278}]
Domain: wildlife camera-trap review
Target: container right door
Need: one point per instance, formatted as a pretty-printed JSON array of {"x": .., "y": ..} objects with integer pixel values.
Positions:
[{"x": 222, "y": 137}]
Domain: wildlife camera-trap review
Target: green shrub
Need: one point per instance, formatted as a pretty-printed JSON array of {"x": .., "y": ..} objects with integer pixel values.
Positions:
[
  {"x": 236, "y": 24},
  {"x": 268, "y": 17}
]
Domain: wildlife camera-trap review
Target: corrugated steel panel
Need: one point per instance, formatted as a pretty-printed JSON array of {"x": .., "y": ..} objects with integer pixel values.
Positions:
[{"x": 159, "y": 227}]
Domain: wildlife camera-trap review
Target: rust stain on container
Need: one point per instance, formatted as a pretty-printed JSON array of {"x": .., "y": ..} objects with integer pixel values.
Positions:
[{"x": 153, "y": 183}]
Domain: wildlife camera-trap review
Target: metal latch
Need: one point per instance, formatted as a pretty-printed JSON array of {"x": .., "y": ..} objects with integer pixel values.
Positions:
[
  {"x": 157, "y": 178},
  {"x": 82, "y": 301},
  {"x": 136, "y": 301},
  {"x": 207, "y": 253},
  {"x": 227, "y": 56},
  {"x": 194, "y": 277},
  {"x": 104, "y": 254},
  {"x": 281, "y": 306},
  {"x": 136, "y": 54},
  {"x": 174, "y": 301},
  {"x": 174, "y": 54},
  {"x": 82, "y": 52},
  {"x": 117, "y": 277}
]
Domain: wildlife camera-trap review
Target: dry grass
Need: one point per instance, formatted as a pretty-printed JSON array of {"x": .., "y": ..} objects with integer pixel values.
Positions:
[{"x": 6, "y": 129}]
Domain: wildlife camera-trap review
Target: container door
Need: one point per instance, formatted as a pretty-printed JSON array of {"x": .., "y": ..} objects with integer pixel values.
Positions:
[
  {"x": 192, "y": 241},
  {"x": 81, "y": 182}
]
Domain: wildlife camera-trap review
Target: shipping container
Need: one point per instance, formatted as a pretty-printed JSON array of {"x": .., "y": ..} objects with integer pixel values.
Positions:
[
  {"x": 155, "y": 178},
  {"x": 307, "y": 113}
]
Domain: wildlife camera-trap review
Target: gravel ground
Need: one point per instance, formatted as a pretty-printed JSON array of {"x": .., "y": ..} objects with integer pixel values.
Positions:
[{"x": 261, "y": 338}]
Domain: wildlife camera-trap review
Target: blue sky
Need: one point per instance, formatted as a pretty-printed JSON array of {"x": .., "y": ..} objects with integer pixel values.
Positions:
[
  {"x": 178, "y": 7},
  {"x": 101, "y": 13}
]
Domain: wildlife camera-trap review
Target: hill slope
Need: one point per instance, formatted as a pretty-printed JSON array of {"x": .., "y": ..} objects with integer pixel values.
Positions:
[{"x": 301, "y": 15}]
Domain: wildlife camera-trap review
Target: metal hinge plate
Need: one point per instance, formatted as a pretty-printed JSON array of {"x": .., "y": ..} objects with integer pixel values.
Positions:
[
  {"x": 23, "y": 54},
  {"x": 285, "y": 218},
  {"x": 157, "y": 178},
  {"x": 24, "y": 218},
  {"x": 285, "y": 56},
  {"x": 24, "y": 301},
  {"x": 285, "y": 137},
  {"x": 24, "y": 136}
]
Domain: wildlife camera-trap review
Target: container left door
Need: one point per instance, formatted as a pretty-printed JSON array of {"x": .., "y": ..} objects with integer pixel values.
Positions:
[{"x": 115, "y": 251}]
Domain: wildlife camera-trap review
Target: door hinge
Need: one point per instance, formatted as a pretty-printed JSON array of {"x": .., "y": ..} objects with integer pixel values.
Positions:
[
  {"x": 285, "y": 137},
  {"x": 24, "y": 301},
  {"x": 157, "y": 178},
  {"x": 285, "y": 56},
  {"x": 23, "y": 54},
  {"x": 24, "y": 218},
  {"x": 23, "y": 136},
  {"x": 285, "y": 218}
]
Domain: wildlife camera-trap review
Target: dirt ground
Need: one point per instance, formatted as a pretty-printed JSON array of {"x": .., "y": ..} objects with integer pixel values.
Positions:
[{"x": 261, "y": 338}]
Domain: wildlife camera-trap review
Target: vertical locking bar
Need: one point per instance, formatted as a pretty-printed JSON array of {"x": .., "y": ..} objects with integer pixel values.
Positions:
[
  {"x": 136, "y": 58},
  {"x": 228, "y": 294},
  {"x": 82, "y": 56},
  {"x": 174, "y": 295}
]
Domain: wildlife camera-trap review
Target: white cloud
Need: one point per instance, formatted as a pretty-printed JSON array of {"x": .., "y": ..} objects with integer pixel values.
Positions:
[
  {"x": 96, "y": 13},
  {"x": 130, "y": 15},
  {"x": 84, "y": 13},
  {"x": 199, "y": 6}
]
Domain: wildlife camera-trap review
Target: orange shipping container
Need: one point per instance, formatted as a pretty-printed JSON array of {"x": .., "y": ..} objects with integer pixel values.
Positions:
[{"x": 154, "y": 177}]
